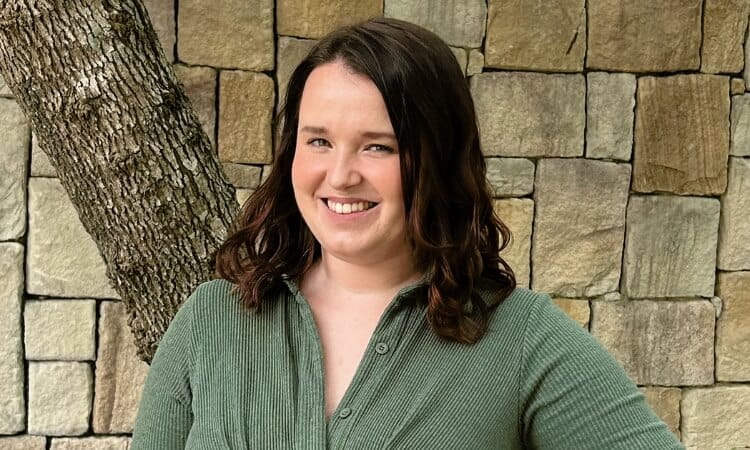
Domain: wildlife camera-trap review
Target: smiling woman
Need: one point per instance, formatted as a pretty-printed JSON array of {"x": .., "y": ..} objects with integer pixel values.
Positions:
[{"x": 362, "y": 301}]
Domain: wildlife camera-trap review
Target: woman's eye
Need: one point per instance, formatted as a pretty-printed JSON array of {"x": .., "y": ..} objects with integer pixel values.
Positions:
[
  {"x": 317, "y": 142},
  {"x": 381, "y": 148}
]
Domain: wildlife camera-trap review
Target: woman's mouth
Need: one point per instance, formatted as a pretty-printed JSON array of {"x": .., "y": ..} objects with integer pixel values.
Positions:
[{"x": 348, "y": 208}]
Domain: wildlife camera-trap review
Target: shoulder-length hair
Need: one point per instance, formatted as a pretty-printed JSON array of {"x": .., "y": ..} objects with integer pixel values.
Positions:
[{"x": 455, "y": 234}]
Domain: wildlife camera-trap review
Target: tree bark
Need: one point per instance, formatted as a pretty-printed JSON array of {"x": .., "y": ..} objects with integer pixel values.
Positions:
[{"x": 107, "y": 109}]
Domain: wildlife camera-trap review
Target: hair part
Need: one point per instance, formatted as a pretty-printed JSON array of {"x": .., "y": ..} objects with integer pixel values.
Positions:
[{"x": 453, "y": 229}]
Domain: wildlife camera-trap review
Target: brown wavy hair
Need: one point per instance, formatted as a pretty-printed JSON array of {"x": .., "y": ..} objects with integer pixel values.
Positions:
[{"x": 455, "y": 234}]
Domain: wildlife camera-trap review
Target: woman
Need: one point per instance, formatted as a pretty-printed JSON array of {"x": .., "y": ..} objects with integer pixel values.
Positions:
[{"x": 362, "y": 302}]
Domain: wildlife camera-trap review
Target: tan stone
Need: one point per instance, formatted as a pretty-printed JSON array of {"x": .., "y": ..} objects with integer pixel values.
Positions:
[
  {"x": 510, "y": 177},
  {"x": 734, "y": 225},
  {"x": 266, "y": 172},
  {"x": 59, "y": 398},
  {"x": 458, "y": 22},
  {"x": 642, "y": 36},
  {"x": 12, "y": 407},
  {"x": 161, "y": 14},
  {"x": 670, "y": 246},
  {"x": 579, "y": 226},
  {"x": 245, "y": 110},
  {"x": 532, "y": 35},
  {"x": 24, "y": 442},
  {"x": 666, "y": 404},
  {"x": 230, "y": 33},
  {"x": 120, "y": 374},
  {"x": 732, "y": 331},
  {"x": 737, "y": 86},
  {"x": 200, "y": 87},
  {"x": 475, "y": 63},
  {"x": 682, "y": 134},
  {"x": 461, "y": 58},
  {"x": 515, "y": 123},
  {"x": 609, "y": 120},
  {"x": 316, "y": 18},
  {"x": 291, "y": 52},
  {"x": 48, "y": 333},
  {"x": 40, "y": 163},
  {"x": 517, "y": 214},
  {"x": 62, "y": 258},
  {"x": 667, "y": 343},
  {"x": 576, "y": 309},
  {"x": 242, "y": 176},
  {"x": 724, "y": 26},
  {"x": 91, "y": 443},
  {"x": 740, "y": 128},
  {"x": 14, "y": 153},
  {"x": 716, "y": 417}
]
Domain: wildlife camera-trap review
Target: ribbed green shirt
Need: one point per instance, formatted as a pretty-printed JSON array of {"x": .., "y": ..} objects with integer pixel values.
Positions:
[{"x": 226, "y": 378}]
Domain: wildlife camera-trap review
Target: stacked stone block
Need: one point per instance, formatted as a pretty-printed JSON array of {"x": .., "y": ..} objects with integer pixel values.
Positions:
[{"x": 617, "y": 143}]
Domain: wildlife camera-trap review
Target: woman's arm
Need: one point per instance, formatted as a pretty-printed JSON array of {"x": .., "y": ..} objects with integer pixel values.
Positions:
[
  {"x": 574, "y": 394},
  {"x": 165, "y": 416}
]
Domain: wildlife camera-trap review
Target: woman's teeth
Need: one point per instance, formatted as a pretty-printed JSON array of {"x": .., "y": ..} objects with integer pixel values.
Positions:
[{"x": 348, "y": 208}]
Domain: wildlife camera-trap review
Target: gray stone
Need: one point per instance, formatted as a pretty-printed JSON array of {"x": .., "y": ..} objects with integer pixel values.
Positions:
[
  {"x": 4, "y": 89},
  {"x": 610, "y": 105},
  {"x": 49, "y": 334},
  {"x": 579, "y": 226},
  {"x": 458, "y": 22},
  {"x": 229, "y": 34},
  {"x": 59, "y": 398},
  {"x": 670, "y": 246},
  {"x": 12, "y": 408},
  {"x": 510, "y": 177},
  {"x": 62, "y": 259},
  {"x": 532, "y": 35},
  {"x": 266, "y": 172},
  {"x": 530, "y": 114},
  {"x": 476, "y": 62},
  {"x": 640, "y": 36},
  {"x": 200, "y": 87},
  {"x": 14, "y": 154},
  {"x": 666, "y": 343},
  {"x": 666, "y": 404},
  {"x": 517, "y": 214},
  {"x": 24, "y": 442},
  {"x": 161, "y": 13},
  {"x": 740, "y": 125},
  {"x": 242, "y": 176},
  {"x": 243, "y": 194},
  {"x": 91, "y": 443},
  {"x": 291, "y": 52},
  {"x": 40, "y": 163},
  {"x": 734, "y": 225},
  {"x": 461, "y": 57},
  {"x": 716, "y": 417},
  {"x": 120, "y": 374},
  {"x": 732, "y": 332}
]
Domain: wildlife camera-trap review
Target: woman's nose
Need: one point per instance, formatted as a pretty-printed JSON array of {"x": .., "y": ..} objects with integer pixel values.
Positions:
[{"x": 343, "y": 171}]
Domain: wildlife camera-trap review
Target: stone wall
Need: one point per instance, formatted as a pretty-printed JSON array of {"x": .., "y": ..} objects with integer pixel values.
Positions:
[{"x": 617, "y": 136}]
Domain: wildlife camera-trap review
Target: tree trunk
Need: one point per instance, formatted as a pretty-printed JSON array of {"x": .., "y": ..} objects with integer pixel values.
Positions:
[{"x": 107, "y": 109}]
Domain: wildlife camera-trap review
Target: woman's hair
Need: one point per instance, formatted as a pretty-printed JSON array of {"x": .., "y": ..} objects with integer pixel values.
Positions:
[{"x": 450, "y": 221}]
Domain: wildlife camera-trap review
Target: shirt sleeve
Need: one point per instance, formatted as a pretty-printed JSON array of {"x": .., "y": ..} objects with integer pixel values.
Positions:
[
  {"x": 165, "y": 416},
  {"x": 575, "y": 395}
]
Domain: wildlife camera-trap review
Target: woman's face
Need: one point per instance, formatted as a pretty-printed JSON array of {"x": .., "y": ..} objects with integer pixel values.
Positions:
[{"x": 345, "y": 173}]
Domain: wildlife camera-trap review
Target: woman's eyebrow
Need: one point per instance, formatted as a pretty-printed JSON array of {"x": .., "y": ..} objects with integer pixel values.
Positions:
[{"x": 365, "y": 134}]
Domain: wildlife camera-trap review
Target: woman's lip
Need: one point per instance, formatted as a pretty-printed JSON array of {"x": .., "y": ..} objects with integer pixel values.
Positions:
[{"x": 346, "y": 200}]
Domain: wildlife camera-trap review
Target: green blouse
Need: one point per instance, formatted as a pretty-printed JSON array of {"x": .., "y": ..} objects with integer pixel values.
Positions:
[{"x": 225, "y": 378}]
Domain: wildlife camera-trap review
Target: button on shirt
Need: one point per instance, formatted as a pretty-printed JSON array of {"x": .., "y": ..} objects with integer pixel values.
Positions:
[{"x": 227, "y": 378}]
